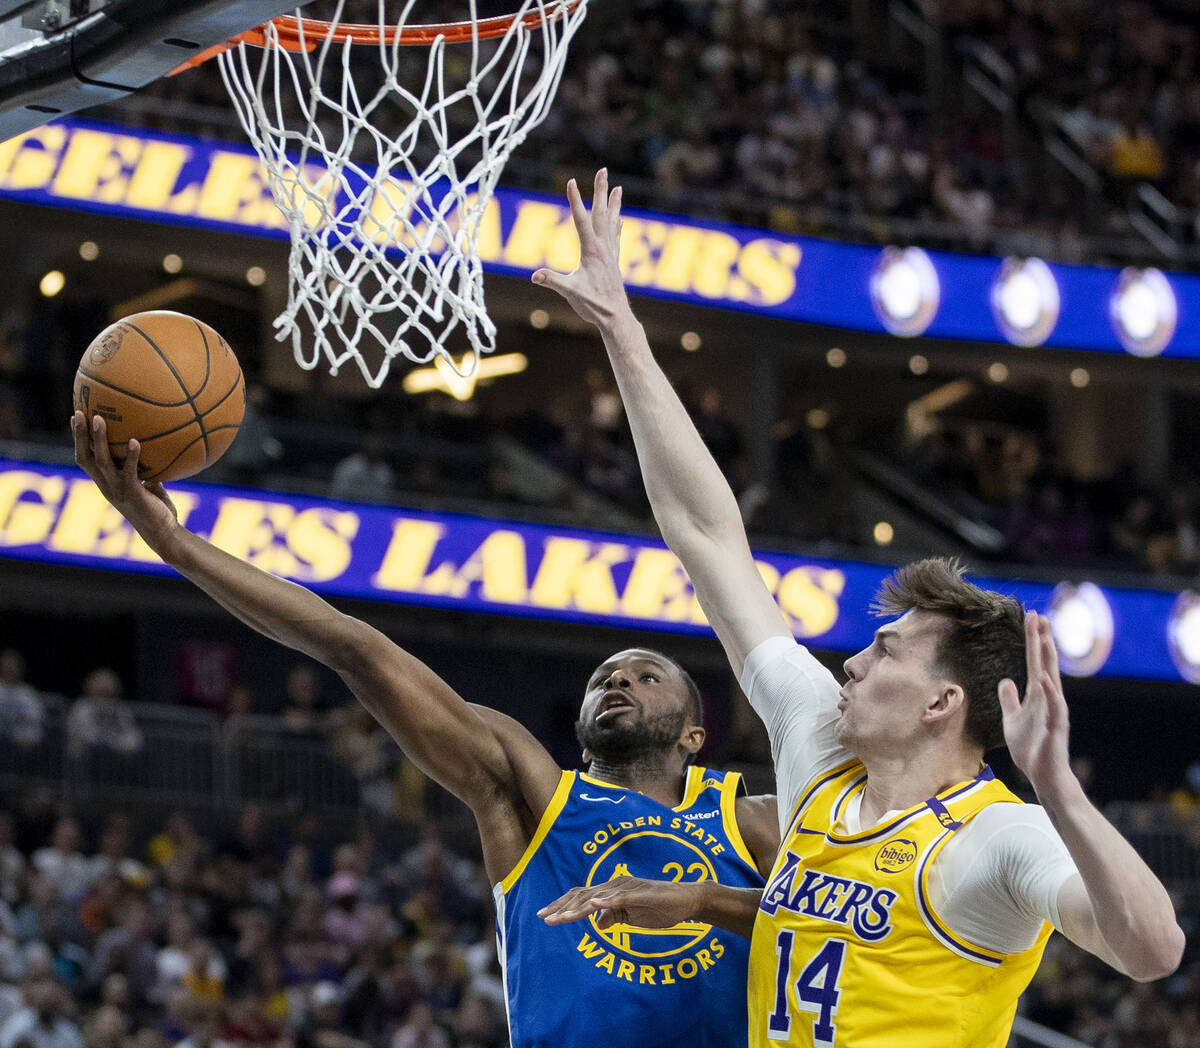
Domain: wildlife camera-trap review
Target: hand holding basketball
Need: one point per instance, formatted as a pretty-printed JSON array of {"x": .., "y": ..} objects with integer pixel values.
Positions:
[
  {"x": 595, "y": 289},
  {"x": 170, "y": 382},
  {"x": 146, "y": 506}
]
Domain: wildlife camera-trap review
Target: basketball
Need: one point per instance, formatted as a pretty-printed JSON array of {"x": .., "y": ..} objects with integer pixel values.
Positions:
[{"x": 169, "y": 381}]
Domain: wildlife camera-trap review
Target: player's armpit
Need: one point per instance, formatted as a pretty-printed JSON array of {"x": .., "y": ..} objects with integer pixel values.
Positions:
[{"x": 758, "y": 822}]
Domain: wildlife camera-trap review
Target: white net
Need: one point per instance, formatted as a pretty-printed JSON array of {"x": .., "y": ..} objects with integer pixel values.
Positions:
[{"x": 386, "y": 169}]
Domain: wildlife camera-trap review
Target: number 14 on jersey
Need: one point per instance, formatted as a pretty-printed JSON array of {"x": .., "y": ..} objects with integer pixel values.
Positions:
[{"x": 816, "y": 990}]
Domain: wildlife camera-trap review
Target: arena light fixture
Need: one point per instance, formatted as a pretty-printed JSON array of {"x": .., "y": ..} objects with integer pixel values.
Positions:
[
  {"x": 1183, "y": 635},
  {"x": 918, "y": 364},
  {"x": 1143, "y": 311},
  {"x": 172, "y": 263},
  {"x": 1082, "y": 619},
  {"x": 460, "y": 378},
  {"x": 905, "y": 291},
  {"x": 1080, "y": 377},
  {"x": 1025, "y": 301},
  {"x": 89, "y": 251},
  {"x": 539, "y": 319},
  {"x": 256, "y": 276},
  {"x": 690, "y": 340},
  {"x": 883, "y": 533},
  {"x": 52, "y": 283},
  {"x": 997, "y": 372},
  {"x": 835, "y": 357}
]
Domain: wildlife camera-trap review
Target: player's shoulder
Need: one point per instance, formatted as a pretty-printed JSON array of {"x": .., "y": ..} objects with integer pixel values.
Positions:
[
  {"x": 781, "y": 656},
  {"x": 1007, "y": 831}
]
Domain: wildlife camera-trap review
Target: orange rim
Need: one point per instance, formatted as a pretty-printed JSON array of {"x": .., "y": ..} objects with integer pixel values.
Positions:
[{"x": 306, "y": 34}]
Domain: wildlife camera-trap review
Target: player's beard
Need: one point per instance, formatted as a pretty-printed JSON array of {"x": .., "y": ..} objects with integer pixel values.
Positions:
[{"x": 631, "y": 738}]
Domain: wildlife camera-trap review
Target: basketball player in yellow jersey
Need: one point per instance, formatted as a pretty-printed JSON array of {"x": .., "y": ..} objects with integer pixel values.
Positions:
[{"x": 912, "y": 894}]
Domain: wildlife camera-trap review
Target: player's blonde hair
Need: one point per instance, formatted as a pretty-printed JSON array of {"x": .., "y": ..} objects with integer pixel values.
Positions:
[{"x": 984, "y": 641}]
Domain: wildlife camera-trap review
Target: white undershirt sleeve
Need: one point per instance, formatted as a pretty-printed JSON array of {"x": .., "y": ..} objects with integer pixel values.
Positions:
[
  {"x": 796, "y": 698},
  {"x": 998, "y": 878}
]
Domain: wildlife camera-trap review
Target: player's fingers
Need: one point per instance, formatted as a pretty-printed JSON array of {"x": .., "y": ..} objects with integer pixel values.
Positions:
[
  {"x": 83, "y": 448},
  {"x": 579, "y": 213},
  {"x": 600, "y": 202},
  {"x": 1050, "y": 655},
  {"x": 614, "y": 212},
  {"x": 548, "y": 278},
  {"x": 132, "y": 454},
  {"x": 1010, "y": 699},
  {"x": 1033, "y": 648},
  {"x": 101, "y": 454}
]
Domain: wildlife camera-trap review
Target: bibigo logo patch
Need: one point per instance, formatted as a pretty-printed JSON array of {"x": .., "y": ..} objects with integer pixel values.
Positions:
[{"x": 895, "y": 855}]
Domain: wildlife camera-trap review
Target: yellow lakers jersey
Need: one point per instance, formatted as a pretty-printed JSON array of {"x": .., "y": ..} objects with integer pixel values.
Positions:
[{"x": 847, "y": 948}]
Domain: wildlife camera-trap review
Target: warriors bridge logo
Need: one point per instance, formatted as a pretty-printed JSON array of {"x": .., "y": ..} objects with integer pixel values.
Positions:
[{"x": 658, "y": 848}]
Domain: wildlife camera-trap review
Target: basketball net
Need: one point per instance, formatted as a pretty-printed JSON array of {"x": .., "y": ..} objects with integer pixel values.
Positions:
[{"x": 385, "y": 170}]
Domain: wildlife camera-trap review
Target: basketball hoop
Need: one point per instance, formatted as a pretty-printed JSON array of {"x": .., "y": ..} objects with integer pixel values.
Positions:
[{"x": 385, "y": 170}]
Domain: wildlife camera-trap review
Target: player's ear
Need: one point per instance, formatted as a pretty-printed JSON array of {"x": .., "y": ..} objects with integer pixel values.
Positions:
[
  {"x": 692, "y": 739},
  {"x": 949, "y": 699},
  {"x": 587, "y": 755}
]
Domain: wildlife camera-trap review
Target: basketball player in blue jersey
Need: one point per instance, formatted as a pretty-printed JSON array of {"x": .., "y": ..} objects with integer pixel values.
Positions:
[
  {"x": 913, "y": 894},
  {"x": 641, "y": 810}
]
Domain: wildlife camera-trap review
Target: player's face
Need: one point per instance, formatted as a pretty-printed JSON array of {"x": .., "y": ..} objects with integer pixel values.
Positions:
[
  {"x": 636, "y": 704},
  {"x": 891, "y": 684}
]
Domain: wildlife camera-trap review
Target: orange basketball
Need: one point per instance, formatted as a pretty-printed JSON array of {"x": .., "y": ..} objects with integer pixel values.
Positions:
[{"x": 169, "y": 381}]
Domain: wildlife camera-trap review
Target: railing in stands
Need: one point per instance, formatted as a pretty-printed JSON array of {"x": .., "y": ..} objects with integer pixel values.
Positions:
[{"x": 192, "y": 759}]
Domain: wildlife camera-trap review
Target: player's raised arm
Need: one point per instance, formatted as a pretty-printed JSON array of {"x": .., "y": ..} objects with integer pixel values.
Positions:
[
  {"x": 483, "y": 757},
  {"x": 692, "y": 502},
  {"x": 1115, "y": 907}
]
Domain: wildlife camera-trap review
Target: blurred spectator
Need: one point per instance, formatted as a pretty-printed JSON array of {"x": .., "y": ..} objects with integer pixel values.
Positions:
[
  {"x": 100, "y": 719},
  {"x": 323, "y": 1027},
  {"x": 255, "y": 448},
  {"x": 302, "y": 709},
  {"x": 12, "y": 863},
  {"x": 21, "y": 713},
  {"x": 106, "y": 1028},
  {"x": 369, "y": 752},
  {"x": 62, "y": 863},
  {"x": 418, "y": 1031},
  {"x": 128, "y": 949},
  {"x": 177, "y": 843},
  {"x": 204, "y": 1026},
  {"x": 364, "y": 475},
  {"x": 113, "y": 857},
  {"x": 42, "y": 1023}
]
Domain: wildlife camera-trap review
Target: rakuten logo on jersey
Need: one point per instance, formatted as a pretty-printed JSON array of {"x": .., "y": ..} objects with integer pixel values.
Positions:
[{"x": 838, "y": 900}]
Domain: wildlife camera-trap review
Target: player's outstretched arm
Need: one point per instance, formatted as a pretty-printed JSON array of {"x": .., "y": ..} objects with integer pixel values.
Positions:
[
  {"x": 658, "y": 904},
  {"x": 483, "y": 757},
  {"x": 692, "y": 502},
  {"x": 1115, "y": 908}
]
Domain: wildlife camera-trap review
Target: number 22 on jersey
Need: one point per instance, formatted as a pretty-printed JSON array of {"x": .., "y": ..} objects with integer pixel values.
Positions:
[{"x": 816, "y": 988}]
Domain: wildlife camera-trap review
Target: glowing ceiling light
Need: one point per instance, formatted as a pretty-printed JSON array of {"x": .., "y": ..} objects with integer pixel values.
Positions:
[
  {"x": 1025, "y": 301},
  {"x": 1082, "y": 620},
  {"x": 1143, "y": 311},
  {"x": 1183, "y": 635},
  {"x": 905, "y": 291}
]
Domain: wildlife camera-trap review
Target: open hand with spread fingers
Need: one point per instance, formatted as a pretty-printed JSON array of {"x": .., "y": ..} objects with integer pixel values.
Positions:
[
  {"x": 1037, "y": 727},
  {"x": 146, "y": 505},
  {"x": 627, "y": 900},
  {"x": 595, "y": 289}
]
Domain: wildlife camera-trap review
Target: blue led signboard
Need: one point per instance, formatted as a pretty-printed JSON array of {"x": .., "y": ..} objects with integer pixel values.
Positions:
[{"x": 56, "y": 515}]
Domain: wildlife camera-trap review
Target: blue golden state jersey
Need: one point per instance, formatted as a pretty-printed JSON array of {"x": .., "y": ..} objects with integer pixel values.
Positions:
[{"x": 574, "y": 985}]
